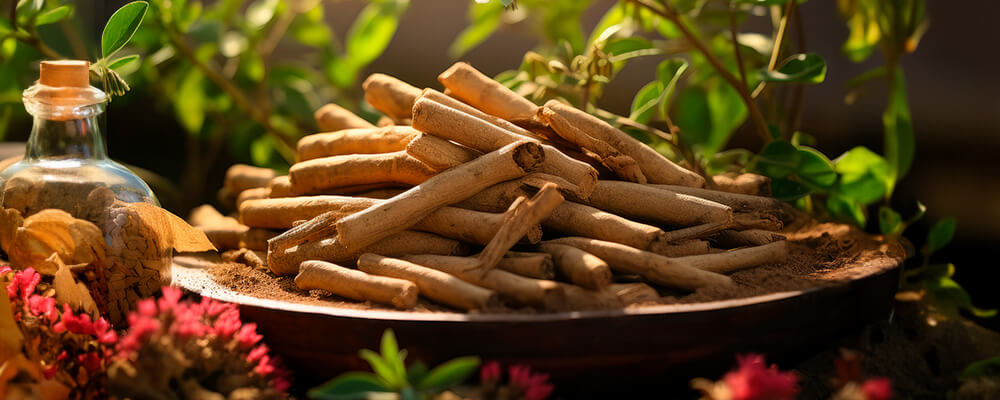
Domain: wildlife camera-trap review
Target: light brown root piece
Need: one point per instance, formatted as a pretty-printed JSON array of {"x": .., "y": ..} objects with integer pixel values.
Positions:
[
  {"x": 752, "y": 237},
  {"x": 735, "y": 260},
  {"x": 576, "y": 219},
  {"x": 241, "y": 177},
  {"x": 634, "y": 293},
  {"x": 439, "y": 154},
  {"x": 692, "y": 232},
  {"x": 355, "y": 141},
  {"x": 389, "y": 95},
  {"x": 681, "y": 248},
  {"x": 653, "y": 267},
  {"x": 356, "y": 285},
  {"x": 452, "y": 102},
  {"x": 448, "y": 187},
  {"x": 471, "y": 86},
  {"x": 280, "y": 186},
  {"x": 739, "y": 202},
  {"x": 252, "y": 194},
  {"x": 762, "y": 220},
  {"x": 286, "y": 261},
  {"x": 332, "y": 117},
  {"x": 385, "y": 121},
  {"x": 433, "y": 284},
  {"x": 517, "y": 289},
  {"x": 655, "y": 167},
  {"x": 622, "y": 165},
  {"x": 357, "y": 169},
  {"x": 654, "y": 204},
  {"x": 448, "y": 123},
  {"x": 578, "y": 266},
  {"x": 745, "y": 183},
  {"x": 206, "y": 215},
  {"x": 532, "y": 265},
  {"x": 518, "y": 221},
  {"x": 251, "y": 258},
  {"x": 230, "y": 237},
  {"x": 496, "y": 198},
  {"x": 578, "y": 298}
]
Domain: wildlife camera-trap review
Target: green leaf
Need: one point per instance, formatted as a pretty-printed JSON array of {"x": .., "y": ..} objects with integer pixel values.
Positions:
[
  {"x": 900, "y": 145},
  {"x": 889, "y": 221},
  {"x": 763, "y": 2},
  {"x": 940, "y": 235},
  {"x": 262, "y": 151},
  {"x": 54, "y": 15},
  {"x": 26, "y": 9},
  {"x": 814, "y": 168},
  {"x": 949, "y": 296},
  {"x": 608, "y": 24},
  {"x": 311, "y": 29},
  {"x": 693, "y": 116},
  {"x": 190, "y": 104},
  {"x": 619, "y": 46},
  {"x": 382, "y": 369},
  {"x": 645, "y": 101},
  {"x": 864, "y": 33},
  {"x": 864, "y": 175},
  {"x": 800, "y": 68},
  {"x": 669, "y": 72},
  {"x": 392, "y": 356},
  {"x": 846, "y": 209},
  {"x": 450, "y": 373},
  {"x": 484, "y": 19},
  {"x": 348, "y": 386},
  {"x": 372, "y": 30},
  {"x": 982, "y": 368},
  {"x": 121, "y": 26},
  {"x": 259, "y": 13},
  {"x": 123, "y": 61},
  {"x": 416, "y": 373},
  {"x": 778, "y": 159}
]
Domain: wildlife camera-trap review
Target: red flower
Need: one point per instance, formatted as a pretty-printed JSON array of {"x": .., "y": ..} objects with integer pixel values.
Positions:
[
  {"x": 50, "y": 371},
  {"x": 91, "y": 361},
  {"x": 105, "y": 335},
  {"x": 258, "y": 353},
  {"x": 533, "y": 386},
  {"x": 43, "y": 307},
  {"x": 877, "y": 389},
  {"x": 171, "y": 296},
  {"x": 141, "y": 328},
  {"x": 23, "y": 284},
  {"x": 248, "y": 336},
  {"x": 74, "y": 324},
  {"x": 490, "y": 373},
  {"x": 754, "y": 381}
]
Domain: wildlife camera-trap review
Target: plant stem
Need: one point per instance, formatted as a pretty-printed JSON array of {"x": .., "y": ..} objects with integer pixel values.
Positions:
[
  {"x": 736, "y": 46},
  {"x": 778, "y": 41},
  {"x": 755, "y": 115},
  {"x": 284, "y": 147}
]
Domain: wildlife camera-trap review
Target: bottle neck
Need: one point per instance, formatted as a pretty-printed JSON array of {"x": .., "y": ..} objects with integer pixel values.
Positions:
[{"x": 72, "y": 138}]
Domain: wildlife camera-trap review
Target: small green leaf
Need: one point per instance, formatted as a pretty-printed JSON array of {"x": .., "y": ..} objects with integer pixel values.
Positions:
[
  {"x": 373, "y": 30},
  {"x": 450, "y": 373},
  {"x": 484, "y": 19},
  {"x": 983, "y": 368},
  {"x": 382, "y": 369},
  {"x": 846, "y": 209},
  {"x": 190, "y": 104},
  {"x": 800, "y": 68},
  {"x": 864, "y": 175},
  {"x": 619, "y": 46},
  {"x": 54, "y": 15},
  {"x": 940, "y": 235},
  {"x": 608, "y": 24},
  {"x": 311, "y": 29},
  {"x": 778, "y": 159},
  {"x": 121, "y": 26},
  {"x": 348, "y": 386},
  {"x": 889, "y": 221},
  {"x": 259, "y": 13},
  {"x": 949, "y": 297},
  {"x": 123, "y": 61},
  {"x": 900, "y": 145},
  {"x": 262, "y": 151},
  {"x": 645, "y": 101},
  {"x": 416, "y": 373},
  {"x": 26, "y": 9},
  {"x": 814, "y": 168},
  {"x": 669, "y": 72}
]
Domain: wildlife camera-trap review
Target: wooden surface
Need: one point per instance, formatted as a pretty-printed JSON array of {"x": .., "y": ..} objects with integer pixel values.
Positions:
[{"x": 578, "y": 348}]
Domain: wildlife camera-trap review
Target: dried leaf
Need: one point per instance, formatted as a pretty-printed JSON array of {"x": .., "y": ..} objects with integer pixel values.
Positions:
[
  {"x": 10, "y": 220},
  {"x": 171, "y": 230},
  {"x": 19, "y": 367},
  {"x": 68, "y": 290},
  {"x": 76, "y": 241},
  {"x": 10, "y": 334}
]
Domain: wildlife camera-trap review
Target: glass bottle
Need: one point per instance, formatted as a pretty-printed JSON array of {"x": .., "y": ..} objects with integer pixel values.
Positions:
[{"x": 66, "y": 158}]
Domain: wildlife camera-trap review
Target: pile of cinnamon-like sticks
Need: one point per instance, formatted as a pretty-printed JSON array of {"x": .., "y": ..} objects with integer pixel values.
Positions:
[{"x": 476, "y": 197}]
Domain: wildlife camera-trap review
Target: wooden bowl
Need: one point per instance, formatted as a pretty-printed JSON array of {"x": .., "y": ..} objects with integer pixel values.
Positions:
[{"x": 576, "y": 348}]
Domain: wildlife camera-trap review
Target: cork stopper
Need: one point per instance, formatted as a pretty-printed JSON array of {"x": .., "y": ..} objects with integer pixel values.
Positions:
[{"x": 65, "y": 73}]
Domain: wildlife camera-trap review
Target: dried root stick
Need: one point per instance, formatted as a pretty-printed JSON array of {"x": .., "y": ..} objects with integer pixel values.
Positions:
[
  {"x": 241, "y": 177},
  {"x": 653, "y": 267},
  {"x": 532, "y": 265},
  {"x": 655, "y": 167},
  {"x": 449, "y": 101},
  {"x": 433, "y": 284},
  {"x": 735, "y": 260},
  {"x": 622, "y": 165},
  {"x": 746, "y": 183},
  {"x": 355, "y": 141},
  {"x": 578, "y": 298},
  {"x": 448, "y": 123},
  {"x": 515, "y": 288},
  {"x": 448, "y": 187},
  {"x": 681, "y": 248},
  {"x": 286, "y": 261},
  {"x": 654, "y": 204},
  {"x": 471, "y": 86},
  {"x": 751, "y": 237},
  {"x": 740, "y": 203},
  {"x": 634, "y": 293},
  {"x": 578, "y": 266},
  {"x": 356, "y": 285},
  {"x": 357, "y": 169},
  {"x": 518, "y": 220},
  {"x": 389, "y": 95},
  {"x": 439, "y": 154},
  {"x": 332, "y": 117}
]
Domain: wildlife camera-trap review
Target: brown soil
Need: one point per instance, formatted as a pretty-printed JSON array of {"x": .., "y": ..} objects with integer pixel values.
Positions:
[{"x": 820, "y": 255}]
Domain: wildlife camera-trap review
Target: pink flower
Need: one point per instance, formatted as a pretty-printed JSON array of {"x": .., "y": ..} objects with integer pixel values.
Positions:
[
  {"x": 257, "y": 353},
  {"x": 5, "y": 269},
  {"x": 754, "y": 381},
  {"x": 227, "y": 324},
  {"x": 74, "y": 324},
  {"x": 247, "y": 336},
  {"x": 490, "y": 373},
  {"x": 91, "y": 361},
  {"x": 103, "y": 331},
  {"x": 877, "y": 389},
  {"x": 533, "y": 386},
  {"x": 43, "y": 307},
  {"x": 146, "y": 307},
  {"x": 23, "y": 284},
  {"x": 141, "y": 328},
  {"x": 171, "y": 296}
]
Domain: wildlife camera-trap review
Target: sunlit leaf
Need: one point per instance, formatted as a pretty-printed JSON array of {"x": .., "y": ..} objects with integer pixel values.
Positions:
[
  {"x": 608, "y": 24},
  {"x": 987, "y": 367},
  {"x": 311, "y": 29},
  {"x": 864, "y": 175},
  {"x": 778, "y": 159},
  {"x": 392, "y": 356},
  {"x": 814, "y": 168},
  {"x": 450, "y": 373},
  {"x": 900, "y": 145},
  {"x": 190, "y": 104},
  {"x": 372, "y": 30},
  {"x": 348, "y": 386},
  {"x": 889, "y": 221},
  {"x": 121, "y": 26},
  {"x": 123, "y": 61},
  {"x": 800, "y": 68},
  {"x": 484, "y": 19},
  {"x": 846, "y": 209},
  {"x": 949, "y": 296},
  {"x": 645, "y": 101},
  {"x": 54, "y": 15},
  {"x": 940, "y": 235},
  {"x": 382, "y": 369}
]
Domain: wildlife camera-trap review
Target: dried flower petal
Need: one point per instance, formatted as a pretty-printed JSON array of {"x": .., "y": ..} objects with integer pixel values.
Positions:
[{"x": 43, "y": 307}]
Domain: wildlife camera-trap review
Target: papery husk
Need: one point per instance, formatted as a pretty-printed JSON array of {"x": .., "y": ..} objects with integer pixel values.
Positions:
[{"x": 49, "y": 232}]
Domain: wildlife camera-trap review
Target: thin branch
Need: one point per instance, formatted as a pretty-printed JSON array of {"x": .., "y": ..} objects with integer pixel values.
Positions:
[
  {"x": 736, "y": 46},
  {"x": 776, "y": 49},
  {"x": 755, "y": 115}
]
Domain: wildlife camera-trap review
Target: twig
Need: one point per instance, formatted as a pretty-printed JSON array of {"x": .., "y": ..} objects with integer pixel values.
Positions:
[
  {"x": 736, "y": 46},
  {"x": 755, "y": 115},
  {"x": 776, "y": 50}
]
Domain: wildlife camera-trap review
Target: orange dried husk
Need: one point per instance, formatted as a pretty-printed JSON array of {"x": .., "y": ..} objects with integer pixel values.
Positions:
[{"x": 49, "y": 232}]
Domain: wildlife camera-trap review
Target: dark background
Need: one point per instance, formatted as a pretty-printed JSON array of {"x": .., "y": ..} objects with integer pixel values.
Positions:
[{"x": 952, "y": 81}]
